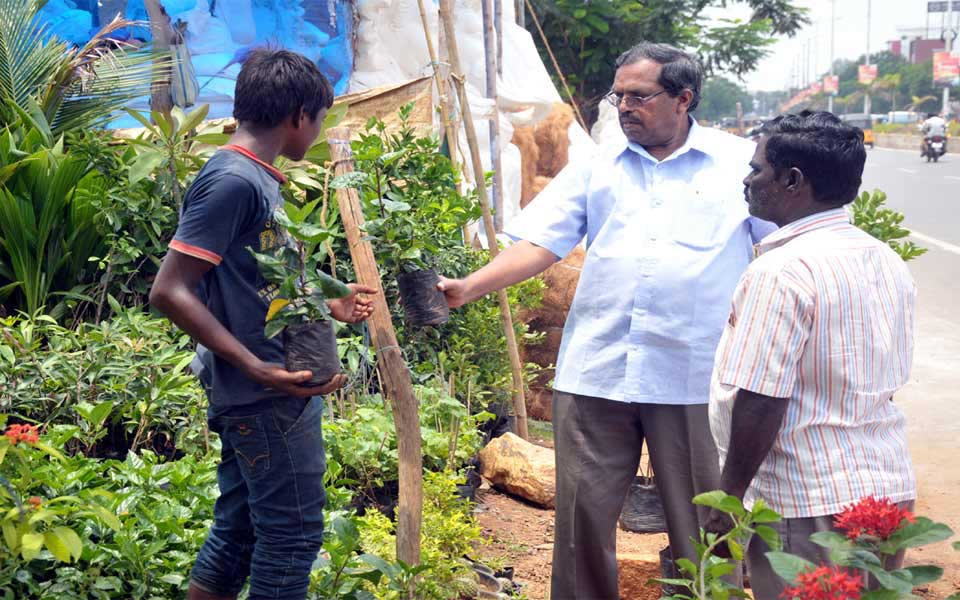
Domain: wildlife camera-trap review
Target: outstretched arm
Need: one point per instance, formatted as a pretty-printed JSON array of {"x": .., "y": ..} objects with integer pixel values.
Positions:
[{"x": 517, "y": 263}]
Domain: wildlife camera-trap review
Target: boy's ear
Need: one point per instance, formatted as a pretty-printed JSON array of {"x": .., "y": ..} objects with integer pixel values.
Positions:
[{"x": 296, "y": 117}]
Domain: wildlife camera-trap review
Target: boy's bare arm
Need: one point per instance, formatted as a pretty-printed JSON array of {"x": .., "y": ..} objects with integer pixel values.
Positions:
[{"x": 174, "y": 294}]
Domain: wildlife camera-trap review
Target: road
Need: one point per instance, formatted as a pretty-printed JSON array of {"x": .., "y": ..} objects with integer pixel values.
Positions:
[{"x": 929, "y": 195}]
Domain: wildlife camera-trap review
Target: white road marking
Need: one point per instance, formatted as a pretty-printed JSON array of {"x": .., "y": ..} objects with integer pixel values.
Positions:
[
  {"x": 935, "y": 242},
  {"x": 911, "y": 171},
  {"x": 896, "y": 150},
  {"x": 951, "y": 177}
]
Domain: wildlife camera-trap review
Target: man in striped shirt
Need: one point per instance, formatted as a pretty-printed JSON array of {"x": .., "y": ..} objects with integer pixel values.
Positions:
[{"x": 819, "y": 339}]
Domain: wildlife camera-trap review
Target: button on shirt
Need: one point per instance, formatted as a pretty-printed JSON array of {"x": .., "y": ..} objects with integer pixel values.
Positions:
[
  {"x": 666, "y": 242},
  {"x": 824, "y": 319}
]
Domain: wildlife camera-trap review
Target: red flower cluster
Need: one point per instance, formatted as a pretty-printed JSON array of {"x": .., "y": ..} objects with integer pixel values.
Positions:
[
  {"x": 873, "y": 518},
  {"x": 22, "y": 433},
  {"x": 825, "y": 583},
  {"x": 35, "y": 502}
]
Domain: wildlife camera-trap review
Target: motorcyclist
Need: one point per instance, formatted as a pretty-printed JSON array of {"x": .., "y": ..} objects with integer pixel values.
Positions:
[{"x": 933, "y": 126}]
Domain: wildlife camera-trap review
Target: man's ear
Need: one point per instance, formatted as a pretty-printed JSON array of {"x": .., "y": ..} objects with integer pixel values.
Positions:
[
  {"x": 686, "y": 98},
  {"x": 794, "y": 179}
]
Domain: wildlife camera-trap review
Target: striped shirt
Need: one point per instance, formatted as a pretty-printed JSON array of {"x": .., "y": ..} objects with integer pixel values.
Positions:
[{"x": 824, "y": 319}]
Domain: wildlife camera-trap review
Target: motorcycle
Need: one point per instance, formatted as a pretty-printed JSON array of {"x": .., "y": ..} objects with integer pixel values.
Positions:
[{"x": 934, "y": 148}]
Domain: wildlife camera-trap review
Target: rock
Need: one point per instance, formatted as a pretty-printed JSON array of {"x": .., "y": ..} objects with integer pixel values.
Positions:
[
  {"x": 520, "y": 468},
  {"x": 634, "y": 572}
]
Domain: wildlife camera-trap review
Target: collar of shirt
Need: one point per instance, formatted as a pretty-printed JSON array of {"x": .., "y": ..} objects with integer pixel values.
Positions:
[
  {"x": 820, "y": 220},
  {"x": 697, "y": 139}
]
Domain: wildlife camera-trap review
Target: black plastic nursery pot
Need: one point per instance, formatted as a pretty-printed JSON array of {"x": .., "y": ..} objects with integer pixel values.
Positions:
[
  {"x": 423, "y": 303},
  {"x": 312, "y": 347}
]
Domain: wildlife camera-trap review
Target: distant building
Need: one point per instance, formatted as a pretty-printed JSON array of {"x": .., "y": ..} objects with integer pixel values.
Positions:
[{"x": 917, "y": 44}]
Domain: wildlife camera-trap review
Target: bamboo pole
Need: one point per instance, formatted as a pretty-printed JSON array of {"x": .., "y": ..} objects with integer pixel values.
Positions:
[
  {"x": 392, "y": 368},
  {"x": 519, "y": 403},
  {"x": 449, "y": 125},
  {"x": 491, "y": 62}
]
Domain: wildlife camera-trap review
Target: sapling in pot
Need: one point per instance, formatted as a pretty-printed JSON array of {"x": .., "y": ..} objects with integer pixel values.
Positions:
[
  {"x": 300, "y": 311},
  {"x": 413, "y": 209}
]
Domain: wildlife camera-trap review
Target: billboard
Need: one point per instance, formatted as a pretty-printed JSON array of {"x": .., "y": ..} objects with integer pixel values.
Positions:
[
  {"x": 946, "y": 68},
  {"x": 867, "y": 74},
  {"x": 831, "y": 85}
]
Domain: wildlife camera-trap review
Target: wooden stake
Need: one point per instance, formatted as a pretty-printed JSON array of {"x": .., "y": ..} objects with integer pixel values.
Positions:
[
  {"x": 519, "y": 403},
  {"x": 393, "y": 370}
]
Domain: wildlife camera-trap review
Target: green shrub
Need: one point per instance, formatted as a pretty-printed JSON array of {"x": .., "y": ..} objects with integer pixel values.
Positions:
[
  {"x": 123, "y": 383},
  {"x": 870, "y": 215},
  {"x": 363, "y": 443},
  {"x": 47, "y": 231},
  {"x": 139, "y": 523},
  {"x": 449, "y": 532}
]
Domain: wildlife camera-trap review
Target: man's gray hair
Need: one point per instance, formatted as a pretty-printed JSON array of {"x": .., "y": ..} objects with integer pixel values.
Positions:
[{"x": 680, "y": 70}]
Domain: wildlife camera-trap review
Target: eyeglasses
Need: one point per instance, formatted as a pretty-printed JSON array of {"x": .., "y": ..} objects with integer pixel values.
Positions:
[{"x": 633, "y": 100}]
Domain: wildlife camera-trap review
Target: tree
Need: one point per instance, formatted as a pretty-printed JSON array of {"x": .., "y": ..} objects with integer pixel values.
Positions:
[
  {"x": 587, "y": 37},
  {"x": 720, "y": 97},
  {"x": 73, "y": 88}
]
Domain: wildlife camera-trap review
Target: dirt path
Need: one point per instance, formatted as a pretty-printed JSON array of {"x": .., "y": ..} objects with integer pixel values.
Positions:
[{"x": 521, "y": 536}]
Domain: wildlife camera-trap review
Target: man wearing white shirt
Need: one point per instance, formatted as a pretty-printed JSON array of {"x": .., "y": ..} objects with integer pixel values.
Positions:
[{"x": 667, "y": 237}]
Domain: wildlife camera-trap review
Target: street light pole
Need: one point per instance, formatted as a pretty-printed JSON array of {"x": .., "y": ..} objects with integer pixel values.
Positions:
[
  {"x": 866, "y": 95},
  {"x": 948, "y": 35},
  {"x": 833, "y": 18}
]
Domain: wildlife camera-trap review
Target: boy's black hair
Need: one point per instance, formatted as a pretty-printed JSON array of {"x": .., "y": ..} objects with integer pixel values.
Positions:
[
  {"x": 274, "y": 84},
  {"x": 828, "y": 152}
]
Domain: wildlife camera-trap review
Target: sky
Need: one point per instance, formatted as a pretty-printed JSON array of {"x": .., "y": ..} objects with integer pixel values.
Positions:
[{"x": 850, "y": 35}]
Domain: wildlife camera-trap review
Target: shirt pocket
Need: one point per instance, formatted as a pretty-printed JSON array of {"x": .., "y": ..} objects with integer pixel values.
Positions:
[{"x": 698, "y": 218}]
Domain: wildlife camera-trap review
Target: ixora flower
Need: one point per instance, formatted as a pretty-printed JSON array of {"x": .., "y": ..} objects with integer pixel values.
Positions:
[
  {"x": 872, "y": 518},
  {"x": 825, "y": 583},
  {"x": 22, "y": 433}
]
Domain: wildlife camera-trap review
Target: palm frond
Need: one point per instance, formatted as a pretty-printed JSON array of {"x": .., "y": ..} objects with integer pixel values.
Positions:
[
  {"x": 75, "y": 87},
  {"x": 28, "y": 61}
]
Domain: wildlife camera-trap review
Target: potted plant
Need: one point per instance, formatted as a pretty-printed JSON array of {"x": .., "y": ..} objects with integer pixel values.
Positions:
[
  {"x": 413, "y": 208},
  {"x": 300, "y": 311}
]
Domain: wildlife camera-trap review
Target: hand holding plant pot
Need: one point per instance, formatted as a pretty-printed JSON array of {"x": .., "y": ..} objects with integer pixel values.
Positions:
[
  {"x": 413, "y": 210},
  {"x": 302, "y": 312}
]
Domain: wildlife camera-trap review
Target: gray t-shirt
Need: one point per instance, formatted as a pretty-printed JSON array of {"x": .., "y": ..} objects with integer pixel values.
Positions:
[{"x": 228, "y": 210}]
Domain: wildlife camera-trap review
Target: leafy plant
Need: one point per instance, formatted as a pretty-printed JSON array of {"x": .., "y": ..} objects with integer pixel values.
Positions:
[
  {"x": 341, "y": 571},
  {"x": 412, "y": 205},
  {"x": 364, "y": 443},
  {"x": 870, "y": 215},
  {"x": 71, "y": 88},
  {"x": 140, "y": 523},
  {"x": 876, "y": 530},
  {"x": 44, "y": 522},
  {"x": 297, "y": 271},
  {"x": 170, "y": 151},
  {"x": 703, "y": 580},
  {"x": 449, "y": 533},
  {"x": 47, "y": 231},
  {"x": 122, "y": 383}
]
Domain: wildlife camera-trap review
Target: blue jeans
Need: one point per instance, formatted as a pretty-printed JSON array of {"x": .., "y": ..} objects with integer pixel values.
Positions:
[{"x": 268, "y": 520}]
